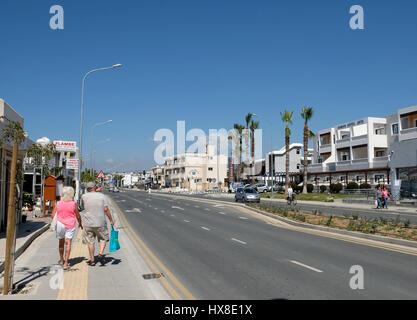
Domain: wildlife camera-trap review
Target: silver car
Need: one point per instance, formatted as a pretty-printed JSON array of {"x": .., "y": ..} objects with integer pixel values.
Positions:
[{"x": 247, "y": 195}]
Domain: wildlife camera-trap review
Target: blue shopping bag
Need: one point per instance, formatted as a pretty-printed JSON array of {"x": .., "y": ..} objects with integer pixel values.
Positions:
[{"x": 114, "y": 240}]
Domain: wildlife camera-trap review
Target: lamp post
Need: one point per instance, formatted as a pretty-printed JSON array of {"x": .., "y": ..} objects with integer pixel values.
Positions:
[
  {"x": 92, "y": 139},
  {"x": 270, "y": 162},
  {"x": 80, "y": 165}
]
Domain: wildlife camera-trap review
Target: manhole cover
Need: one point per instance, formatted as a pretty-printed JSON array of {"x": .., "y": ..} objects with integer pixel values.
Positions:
[{"x": 152, "y": 276}]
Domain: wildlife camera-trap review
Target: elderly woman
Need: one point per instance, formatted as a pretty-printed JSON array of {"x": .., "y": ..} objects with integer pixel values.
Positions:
[{"x": 66, "y": 211}]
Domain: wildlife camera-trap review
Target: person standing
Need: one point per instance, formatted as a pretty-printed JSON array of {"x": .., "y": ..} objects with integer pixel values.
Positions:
[
  {"x": 94, "y": 221},
  {"x": 385, "y": 196},
  {"x": 379, "y": 198},
  {"x": 67, "y": 212}
]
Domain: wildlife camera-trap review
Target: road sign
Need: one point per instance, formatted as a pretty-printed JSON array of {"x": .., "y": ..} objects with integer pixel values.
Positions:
[
  {"x": 72, "y": 164},
  {"x": 101, "y": 175}
]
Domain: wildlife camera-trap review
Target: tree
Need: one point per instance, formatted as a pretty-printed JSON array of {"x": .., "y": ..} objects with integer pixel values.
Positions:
[
  {"x": 239, "y": 130},
  {"x": 307, "y": 114},
  {"x": 41, "y": 154},
  {"x": 12, "y": 133},
  {"x": 248, "y": 119},
  {"x": 254, "y": 125},
  {"x": 286, "y": 117}
]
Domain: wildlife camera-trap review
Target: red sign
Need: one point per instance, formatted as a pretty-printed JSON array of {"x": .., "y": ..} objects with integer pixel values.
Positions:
[{"x": 101, "y": 175}]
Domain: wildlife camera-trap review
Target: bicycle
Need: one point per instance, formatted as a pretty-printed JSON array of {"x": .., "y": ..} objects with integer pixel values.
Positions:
[{"x": 292, "y": 200}]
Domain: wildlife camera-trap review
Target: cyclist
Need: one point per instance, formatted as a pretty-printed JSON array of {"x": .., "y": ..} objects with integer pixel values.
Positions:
[{"x": 291, "y": 195}]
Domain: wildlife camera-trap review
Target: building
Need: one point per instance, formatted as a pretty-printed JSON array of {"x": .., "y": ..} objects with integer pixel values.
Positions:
[
  {"x": 275, "y": 169},
  {"x": 8, "y": 114},
  {"x": 369, "y": 150},
  {"x": 158, "y": 176},
  {"x": 195, "y": 171},
  {"x": 402, "y": 142}
]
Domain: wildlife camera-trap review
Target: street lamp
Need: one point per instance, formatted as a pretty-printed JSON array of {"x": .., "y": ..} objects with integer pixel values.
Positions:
[
  {"x": 81, "y": 123},
  {"x": 92, "y": 139},
  {"x": 270, "y": 162}
]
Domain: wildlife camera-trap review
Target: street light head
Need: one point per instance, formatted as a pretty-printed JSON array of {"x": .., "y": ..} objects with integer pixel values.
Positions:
[{"x": 117, "y": 65}]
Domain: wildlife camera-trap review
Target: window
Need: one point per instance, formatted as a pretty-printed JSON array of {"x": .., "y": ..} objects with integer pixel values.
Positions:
[
  {"x": 298, "y": 166},
  {"x": 210, "y": 169},
  {"x": 298, "y": 151},
  {"x": 415, "y": 122},
  {"x": 379, "y": 154},
  {"x": 379, "y": 178},
  {"x": 379, "y": 131},
  {"x": 395, "y": 128}
]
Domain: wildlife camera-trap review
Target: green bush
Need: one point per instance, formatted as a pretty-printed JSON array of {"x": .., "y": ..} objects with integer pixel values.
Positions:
[
  {"x": 310, "y": 188},
  {"x": 352, "y": 185},
  {"x": 336, "y": 187},
  {"x": 323, "y": 189},
  {"x": 365, "y": 186},
  {"x": 28, "y": 200}
]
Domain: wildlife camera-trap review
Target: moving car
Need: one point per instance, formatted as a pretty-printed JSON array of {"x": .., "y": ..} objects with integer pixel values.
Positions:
[{"x": 247, "y": 195}]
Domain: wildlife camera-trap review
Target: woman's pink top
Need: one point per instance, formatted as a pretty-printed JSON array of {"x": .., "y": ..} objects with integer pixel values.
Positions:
[
  {"x": 66, "y": 213},
  {"x": 385, "y": 193}
]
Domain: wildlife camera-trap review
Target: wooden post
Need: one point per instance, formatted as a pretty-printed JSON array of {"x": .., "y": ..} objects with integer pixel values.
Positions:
[
  {"x": 11, "y": 227},
  {"x": 366, "y": 176}
]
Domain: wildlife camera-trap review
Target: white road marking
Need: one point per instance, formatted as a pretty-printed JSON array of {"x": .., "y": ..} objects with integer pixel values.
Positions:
[
  {"x": 205, "y": 228},
  {"x": 222, "y": 213},
  {"x": 305, "y": 266},
  {"x": 174, "y": 207},
  {"x": 196, "y": 207},
  {"x": 172, "y": 215},
  {"x": 218, "y": 205},
  {"x": 134, "y": 210},
  {"x": 186, "y": 221},
  {"x": 240, "y": 241},
  {"x": 207, "y": 209},
  {"x": 243, "y": 218},
  {"x": 163, "y": 211}
]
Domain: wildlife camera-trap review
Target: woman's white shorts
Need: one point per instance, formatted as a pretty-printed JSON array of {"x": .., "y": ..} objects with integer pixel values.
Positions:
[{"x": 63, "y": 232}]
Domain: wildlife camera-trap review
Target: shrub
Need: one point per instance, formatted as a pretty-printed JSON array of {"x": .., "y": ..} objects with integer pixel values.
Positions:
[
  {"x": 336, "y": 187},
  {"x": 323, "y": 189},
  {"x": 300, "y": 217},
  {"x": 329, "y": 221},
  {"x": 365, "y": 186},
  {"x": 310, "y": 188},
  {"x": 352, "y": 185}
]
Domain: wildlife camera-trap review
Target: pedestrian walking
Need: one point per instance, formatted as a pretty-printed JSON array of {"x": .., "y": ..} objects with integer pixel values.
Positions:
[
  {"x": 385, "y": 196},
  {"x": 67, "y": 213},
  {"x": 94, "y": 220}
]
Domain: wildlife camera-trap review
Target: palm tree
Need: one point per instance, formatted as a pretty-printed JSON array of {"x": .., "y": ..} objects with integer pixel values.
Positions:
[
  {"x": 253, "y": 126},
  {"x": 307, "y": 114},
  {"x": 248, "y": 119},
  {"x": 287, "y": 118},
  {"x": 239, "y": 129}
]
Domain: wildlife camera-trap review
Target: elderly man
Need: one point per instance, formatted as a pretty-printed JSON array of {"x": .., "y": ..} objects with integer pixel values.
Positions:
[{"x": 94, "y": 221}]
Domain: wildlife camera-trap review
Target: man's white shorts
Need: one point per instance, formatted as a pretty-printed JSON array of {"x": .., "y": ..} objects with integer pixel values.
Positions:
[{"x": 63, "y": 232}]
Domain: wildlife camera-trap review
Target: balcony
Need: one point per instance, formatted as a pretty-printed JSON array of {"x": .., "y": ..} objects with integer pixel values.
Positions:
[
  {"x": 319, "y": 167},
  {"x": 380, "y": 162},
  {"x": 408, "y": 134}
]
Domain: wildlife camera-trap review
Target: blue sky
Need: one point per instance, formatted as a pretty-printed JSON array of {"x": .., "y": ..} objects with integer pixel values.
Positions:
[{"x": 206, "y": 62}]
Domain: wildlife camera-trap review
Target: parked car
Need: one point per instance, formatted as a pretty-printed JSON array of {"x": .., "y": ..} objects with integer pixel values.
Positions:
[
  {"x": 115, "y": 189},
  {"x": 234, "y": 186},
  {"x": 277, "y": 188},
  {"x": 261, "y": 188},
  {"x": 247, "y": 195}
]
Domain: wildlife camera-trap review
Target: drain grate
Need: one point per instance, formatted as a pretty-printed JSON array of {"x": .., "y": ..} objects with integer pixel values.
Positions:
[{"x": 150, "y": 276}]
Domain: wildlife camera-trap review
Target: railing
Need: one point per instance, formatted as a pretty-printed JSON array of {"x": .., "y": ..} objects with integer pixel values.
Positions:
[{"x": 359, "y": 137}]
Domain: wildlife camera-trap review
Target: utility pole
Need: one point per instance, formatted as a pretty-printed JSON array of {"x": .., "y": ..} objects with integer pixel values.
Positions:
[{"x": 11, "y": 227}]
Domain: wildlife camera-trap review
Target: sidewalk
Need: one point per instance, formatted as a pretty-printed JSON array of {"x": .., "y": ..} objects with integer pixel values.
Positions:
[
  {"x": 26, "y": 233},
  {"x": 38, "y": 271}
]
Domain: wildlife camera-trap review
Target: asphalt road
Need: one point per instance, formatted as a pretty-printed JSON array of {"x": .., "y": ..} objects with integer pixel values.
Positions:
[
  {"x": 338, "y": 211},
  {"x": 219, "y": 252}
]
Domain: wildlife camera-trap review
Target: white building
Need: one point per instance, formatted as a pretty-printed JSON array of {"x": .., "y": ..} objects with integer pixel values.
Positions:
[
  {"x": 196, "y": 172},
  {"x": 360, "y": 150},
  {"x": 275, "y": 162}
]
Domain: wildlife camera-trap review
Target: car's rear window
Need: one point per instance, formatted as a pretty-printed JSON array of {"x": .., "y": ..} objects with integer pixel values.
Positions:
[{"x": 250, "y": 190}]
